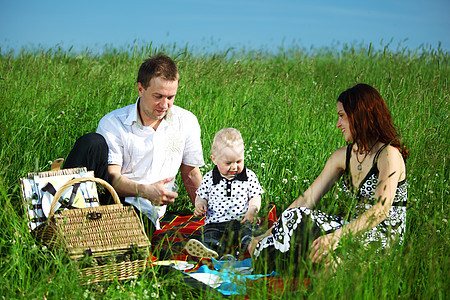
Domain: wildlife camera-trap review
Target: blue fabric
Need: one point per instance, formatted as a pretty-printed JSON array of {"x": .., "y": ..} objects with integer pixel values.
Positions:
[
  {"x": 233, "y": 282},
  {"x": 220, "y": 264}
]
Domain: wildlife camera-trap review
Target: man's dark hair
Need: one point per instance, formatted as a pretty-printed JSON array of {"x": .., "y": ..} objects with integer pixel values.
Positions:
[{"x": 159, "y": 65}]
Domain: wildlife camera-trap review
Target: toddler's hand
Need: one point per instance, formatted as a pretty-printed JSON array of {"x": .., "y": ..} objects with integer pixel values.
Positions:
[
  {"x": 200, "y": 210},
  {"x": 248, "y": 217},
  {"x": 251, "y": 214}
]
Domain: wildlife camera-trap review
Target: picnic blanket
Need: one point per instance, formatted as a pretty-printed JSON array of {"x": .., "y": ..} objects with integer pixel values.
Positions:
[
  {"x": 232, "y": 278},
  {"x": 176, "y": 230},
  {"x": 228, "y": 278}
]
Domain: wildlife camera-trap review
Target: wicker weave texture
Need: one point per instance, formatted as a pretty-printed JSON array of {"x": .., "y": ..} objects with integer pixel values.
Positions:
[
  {"x": 116, "y": 228},
  {"x": 120, "y": 271},
  {"x": 58, "y": 172},
  {"x": 109, "y": 242}
]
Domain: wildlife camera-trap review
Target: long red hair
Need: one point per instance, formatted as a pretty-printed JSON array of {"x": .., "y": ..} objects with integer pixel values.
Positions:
[{"x": 369, "y": 118}]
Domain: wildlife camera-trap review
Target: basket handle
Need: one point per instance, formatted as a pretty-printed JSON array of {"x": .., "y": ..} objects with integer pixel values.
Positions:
[{"x": 78, "y": 180}]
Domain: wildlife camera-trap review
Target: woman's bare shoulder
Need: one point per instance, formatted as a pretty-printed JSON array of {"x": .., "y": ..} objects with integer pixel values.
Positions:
[
  {"x": 341, "y": 153},
  {"x": 337, "y": 159},
  {"x": 391, "y": 159},
  {"x": 390, "y": 153}
]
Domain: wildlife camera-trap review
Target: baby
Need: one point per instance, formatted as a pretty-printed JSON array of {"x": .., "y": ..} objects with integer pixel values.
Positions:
[{"x": 229, "y": 195}]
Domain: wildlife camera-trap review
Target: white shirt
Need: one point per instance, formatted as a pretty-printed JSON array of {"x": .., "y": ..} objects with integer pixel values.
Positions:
[{"x": 147, "y": 155}]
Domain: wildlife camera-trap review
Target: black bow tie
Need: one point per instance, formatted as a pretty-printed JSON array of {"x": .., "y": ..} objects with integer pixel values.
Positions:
[{"x": 217, "y": 177}]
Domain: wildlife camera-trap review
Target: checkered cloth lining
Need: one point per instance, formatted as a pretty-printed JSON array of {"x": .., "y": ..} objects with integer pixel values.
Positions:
[{"x": 176, "y": 230}]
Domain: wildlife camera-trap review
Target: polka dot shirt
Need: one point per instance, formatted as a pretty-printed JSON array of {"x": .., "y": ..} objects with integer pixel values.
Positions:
[{"x": 228, "y": 199}]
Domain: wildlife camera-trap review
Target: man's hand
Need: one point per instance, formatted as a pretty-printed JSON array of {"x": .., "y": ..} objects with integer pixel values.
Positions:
[{"x": 157, "y": 193}]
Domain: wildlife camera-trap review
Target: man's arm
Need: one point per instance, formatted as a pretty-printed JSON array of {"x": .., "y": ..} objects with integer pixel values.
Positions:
[
  {"x": 125, "y": 187},
  {"x": 192, "y": 177}
]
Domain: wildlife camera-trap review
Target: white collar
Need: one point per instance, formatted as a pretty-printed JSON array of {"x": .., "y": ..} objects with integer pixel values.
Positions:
[{"x": 133, "y": 117}]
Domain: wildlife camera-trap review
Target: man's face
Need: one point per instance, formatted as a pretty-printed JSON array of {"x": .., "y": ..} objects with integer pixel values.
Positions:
[{"x": 156, "y": 100}]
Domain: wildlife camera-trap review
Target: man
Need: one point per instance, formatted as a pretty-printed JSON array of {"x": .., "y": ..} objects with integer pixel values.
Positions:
[{"x": 149, "y": 141}]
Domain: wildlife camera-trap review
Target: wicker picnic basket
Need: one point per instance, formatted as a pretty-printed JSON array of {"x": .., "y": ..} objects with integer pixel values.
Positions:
[{"x": 108, "y": 242}]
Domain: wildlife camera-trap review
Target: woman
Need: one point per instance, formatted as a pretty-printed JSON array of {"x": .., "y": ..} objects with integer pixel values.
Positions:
[{"x": 374, "y": 176}]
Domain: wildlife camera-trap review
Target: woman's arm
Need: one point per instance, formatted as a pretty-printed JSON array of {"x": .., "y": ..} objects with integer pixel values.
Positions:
[
  {"x": 332, "y": 171},
  {"x": 391, "y": 170}
]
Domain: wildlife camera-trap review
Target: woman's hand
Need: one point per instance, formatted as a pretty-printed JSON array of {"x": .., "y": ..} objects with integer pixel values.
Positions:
[
  {"x": 321, "y": 247},
  {"x": 252, "y": 246},
  {"x": 255, "y": 240}
]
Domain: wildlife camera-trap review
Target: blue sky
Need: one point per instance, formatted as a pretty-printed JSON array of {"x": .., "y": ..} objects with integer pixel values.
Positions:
[{"x": 202, "y": 24}]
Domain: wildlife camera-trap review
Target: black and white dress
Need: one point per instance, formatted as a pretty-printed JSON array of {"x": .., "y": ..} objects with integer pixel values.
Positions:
[{"x": 284, "y": 233}]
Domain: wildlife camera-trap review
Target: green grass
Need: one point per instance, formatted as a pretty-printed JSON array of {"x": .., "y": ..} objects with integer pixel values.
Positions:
[{"x": 285, "y": 106}]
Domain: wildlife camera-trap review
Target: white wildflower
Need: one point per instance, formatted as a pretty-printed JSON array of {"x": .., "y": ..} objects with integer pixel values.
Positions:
[
  {"x": 285, "y": 180},
  {"x": 156, "y": 285}
]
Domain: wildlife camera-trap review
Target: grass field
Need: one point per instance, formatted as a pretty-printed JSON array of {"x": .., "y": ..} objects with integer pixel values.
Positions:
[{"x": 285, "y": 106}]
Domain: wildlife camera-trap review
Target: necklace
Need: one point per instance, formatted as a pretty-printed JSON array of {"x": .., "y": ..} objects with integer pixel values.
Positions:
[{"x": 367, "y": 152}]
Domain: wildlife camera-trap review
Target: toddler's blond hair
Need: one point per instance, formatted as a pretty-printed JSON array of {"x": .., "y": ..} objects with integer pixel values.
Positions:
[{"x": 227, "y": 137}]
